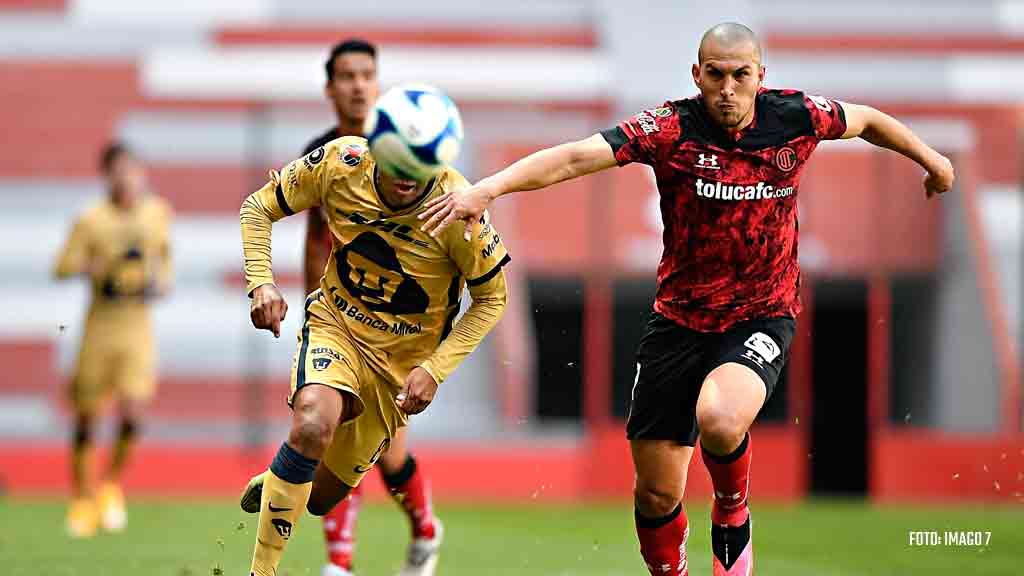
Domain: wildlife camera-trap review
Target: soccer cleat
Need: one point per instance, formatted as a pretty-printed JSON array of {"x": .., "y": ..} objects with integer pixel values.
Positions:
[
  {"x": 111, "y": 507},
  {"x": 421, "y": 559},
  {"x": 732, "y": 550},
  {"x": 334, "y": 570},
  {"x": 83, "y": 518},
  {"x": 253, "y": 494}
]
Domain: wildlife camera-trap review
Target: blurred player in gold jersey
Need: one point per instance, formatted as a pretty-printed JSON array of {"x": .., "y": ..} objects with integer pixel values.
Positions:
[
  {"x": 352, "y": 88},
  {"x": 377, "y": 337},
  {"x": 122, "y": 245}
]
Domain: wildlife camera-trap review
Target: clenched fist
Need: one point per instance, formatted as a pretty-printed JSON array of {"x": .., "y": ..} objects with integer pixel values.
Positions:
[
  {"x": 939, "y": 179},
  {"x": 268, "y": 309},
  {"x": 418, "y": 392}
]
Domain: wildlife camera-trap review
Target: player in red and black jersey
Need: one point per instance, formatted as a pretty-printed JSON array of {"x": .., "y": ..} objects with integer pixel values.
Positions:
[
  {"x": 352, "y": 87},
  {"x": 728, "y": 165}
]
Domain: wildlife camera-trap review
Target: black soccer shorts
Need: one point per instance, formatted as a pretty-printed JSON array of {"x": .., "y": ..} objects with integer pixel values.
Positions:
[{"x": 673, "y": 361}]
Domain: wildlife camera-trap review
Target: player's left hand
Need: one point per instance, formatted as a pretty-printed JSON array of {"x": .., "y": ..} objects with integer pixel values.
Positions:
[
  {"x": 939, "y": 178},
  {"x": 418, "y": 391}
]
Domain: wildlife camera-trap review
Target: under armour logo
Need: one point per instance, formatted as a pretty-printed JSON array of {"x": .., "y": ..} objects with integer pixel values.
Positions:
[
  {"x": 754, "y": 357},
  {"x": 709, "y": 161}
]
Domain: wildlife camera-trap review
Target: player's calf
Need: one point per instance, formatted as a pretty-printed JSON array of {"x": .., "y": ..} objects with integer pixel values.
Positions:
[
  {"x": 340, "y": 534},
  {"x": 328, "y": 492},
  {"x": 663, "y": 541},
  {"x": 731, "y": 546},
  {"x": 661, "y": 524},
  {"x": 730, "y": 398},
  {"x": 730, "y": 476},
  {"x": 409, "y": 489},
  {"x": 82, "y": 516}
]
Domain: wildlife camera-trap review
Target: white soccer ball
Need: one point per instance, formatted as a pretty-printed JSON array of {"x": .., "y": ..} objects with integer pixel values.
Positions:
[{"x": 414, "y": 131}]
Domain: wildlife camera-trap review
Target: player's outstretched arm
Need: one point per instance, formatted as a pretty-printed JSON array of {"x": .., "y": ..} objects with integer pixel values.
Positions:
[
  {"x": 74, "y": 255},
  {"x": 883, "y": 130},
  {"x": 538, "y": 170}
]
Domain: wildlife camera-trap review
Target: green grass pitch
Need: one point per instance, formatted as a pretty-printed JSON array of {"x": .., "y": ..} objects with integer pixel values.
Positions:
[{"x": 819, "y": 538}]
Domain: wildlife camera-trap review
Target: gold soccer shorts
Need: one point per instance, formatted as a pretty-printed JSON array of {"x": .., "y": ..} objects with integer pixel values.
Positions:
[
  {"x": 328, "y": 356},
  {"x": 113, "y": 361}
]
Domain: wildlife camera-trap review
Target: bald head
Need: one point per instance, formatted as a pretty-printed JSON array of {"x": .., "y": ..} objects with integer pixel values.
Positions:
[
  {"x": 729, "y": 74},
  {"x": 728, "y": 37}
]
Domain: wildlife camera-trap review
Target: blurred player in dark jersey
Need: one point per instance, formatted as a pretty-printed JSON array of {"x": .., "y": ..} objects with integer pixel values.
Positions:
[
  {"x": 122, "y": 245},
  {"x": 352, "y": 87},
  {"x": 727, "y": 164}
]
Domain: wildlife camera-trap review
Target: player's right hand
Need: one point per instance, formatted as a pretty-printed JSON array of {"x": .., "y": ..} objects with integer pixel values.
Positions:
[
  {"x": 467, "y": 205},
  {"x": 268, "y": 309}
]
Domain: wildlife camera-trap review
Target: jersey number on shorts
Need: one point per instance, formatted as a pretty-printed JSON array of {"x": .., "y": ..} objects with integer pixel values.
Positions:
[{"x": 373, "y": 459}]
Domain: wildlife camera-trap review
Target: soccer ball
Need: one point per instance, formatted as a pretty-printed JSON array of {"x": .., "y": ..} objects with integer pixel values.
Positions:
[{"x": 414, "y": 131}]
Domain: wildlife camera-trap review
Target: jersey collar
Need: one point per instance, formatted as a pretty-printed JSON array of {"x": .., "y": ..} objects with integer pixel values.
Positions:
[{"x": 723, "y": 137}]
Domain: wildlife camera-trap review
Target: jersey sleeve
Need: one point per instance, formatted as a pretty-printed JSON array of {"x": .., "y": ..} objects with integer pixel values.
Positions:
[
  {"x": 643, "y": 137},
  {"x": 300, "y": 186},
  {"x": 481, "y": 261},
  {"x": 302, "y": 183},
  {"x": 482, "y": 257},
  {"x": 74, "y": 254},
  {"x": 827, "y": 116},
  {"x": 484, "y": 312}
]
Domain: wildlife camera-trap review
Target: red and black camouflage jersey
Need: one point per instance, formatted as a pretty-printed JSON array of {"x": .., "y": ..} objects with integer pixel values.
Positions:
[{"x": 728, "y": 203}]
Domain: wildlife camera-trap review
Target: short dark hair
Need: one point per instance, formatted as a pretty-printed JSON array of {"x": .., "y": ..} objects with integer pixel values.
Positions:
[
  {"x": 350, "y": 45},
  {"x": 111, "y": 152}
]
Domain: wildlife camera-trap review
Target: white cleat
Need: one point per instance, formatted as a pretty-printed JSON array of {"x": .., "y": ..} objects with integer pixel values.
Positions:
[
  {"x": 334, "y": 570},
  {"x": 113, "y": 517},
  {"x": 421, "y": 559}
]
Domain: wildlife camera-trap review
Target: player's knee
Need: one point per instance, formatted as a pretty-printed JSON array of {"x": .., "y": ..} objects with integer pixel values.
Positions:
[
  {"x": 719, "y": 426},
  {"x": 393, "y": 461},
  {"x": 311, "y": 435},
  {"x": 655, "y": 501}
]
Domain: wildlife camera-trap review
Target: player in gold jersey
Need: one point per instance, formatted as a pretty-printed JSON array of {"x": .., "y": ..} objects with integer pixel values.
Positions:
[
  {"x": 352, "y": 88},
  {"x": 379, "y": 334},
  {"x": 122, "y": 245}
]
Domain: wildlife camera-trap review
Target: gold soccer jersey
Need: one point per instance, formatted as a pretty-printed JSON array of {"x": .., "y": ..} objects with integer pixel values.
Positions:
[
  {"x": 125, "y": 252},
  {"x": 394, "y": 289},
  {"x": 389, "y": 295}
]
